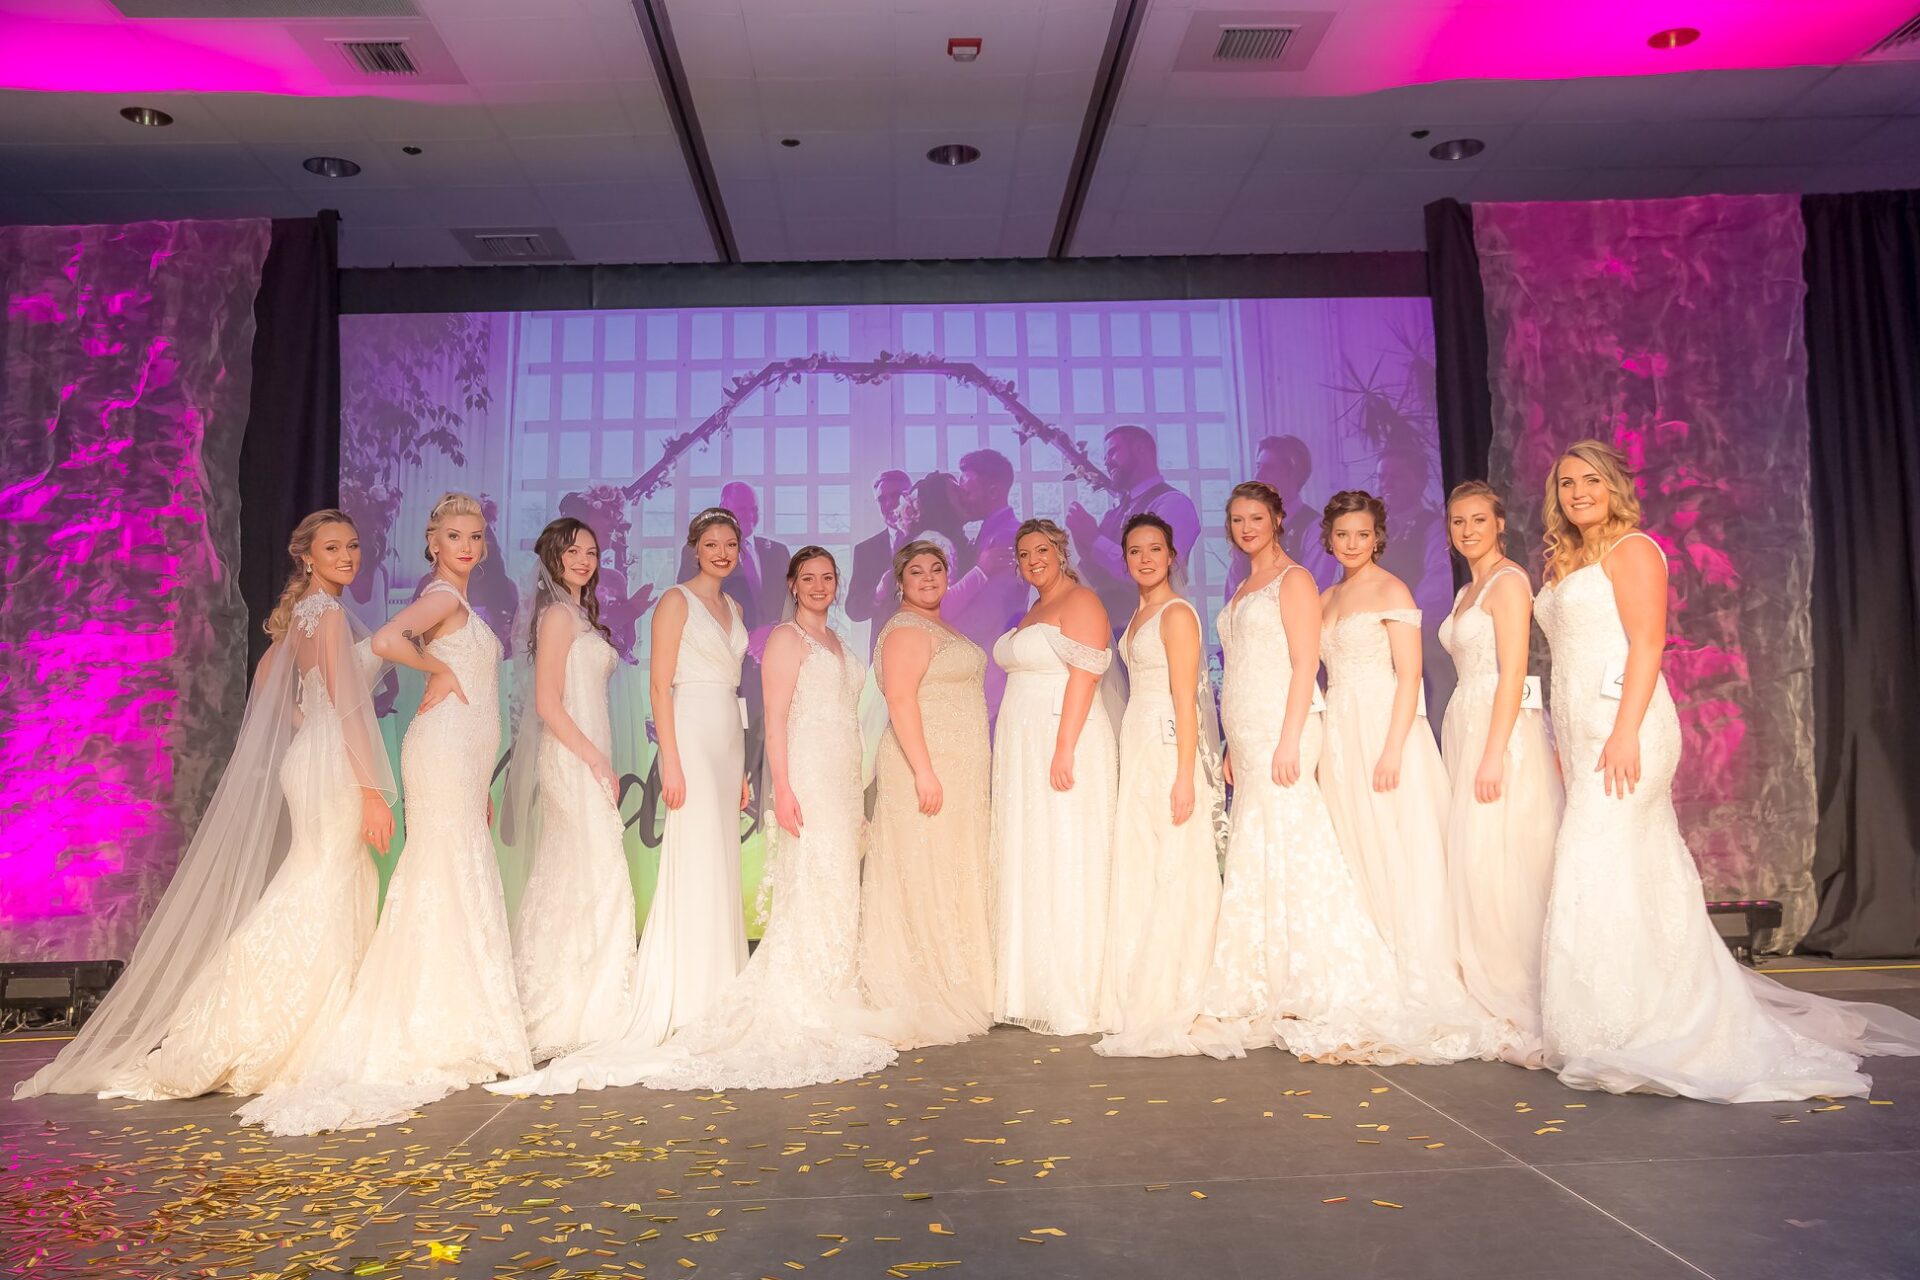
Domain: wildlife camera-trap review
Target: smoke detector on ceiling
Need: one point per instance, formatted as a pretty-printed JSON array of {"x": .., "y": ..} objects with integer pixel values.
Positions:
[
  {"x": 1251, "y": 40},
  {"x": 964, "y": 48},
  {"x": 513, "y": 244}
]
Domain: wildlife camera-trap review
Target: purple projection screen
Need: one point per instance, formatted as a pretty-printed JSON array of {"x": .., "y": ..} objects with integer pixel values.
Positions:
[{"x": 635, "y": 420}]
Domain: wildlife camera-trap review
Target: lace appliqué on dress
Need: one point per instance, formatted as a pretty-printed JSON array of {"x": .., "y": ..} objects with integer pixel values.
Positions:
[{"x": 307, "y": 613}]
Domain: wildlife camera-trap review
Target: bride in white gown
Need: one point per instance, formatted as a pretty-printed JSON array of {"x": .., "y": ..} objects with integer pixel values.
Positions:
[
  {"x": 434, "y": 1006},
  {"x": 1166, "y": 863},
  {"x": 1055, "y": 778},
  {"x": 255, "y": 942},
  {"x": 1638, "y": 991},
  {"x": 1297, "y": 960},
  {"x": 694, "y": 940},
  {"x": 573, "y": 931},
  {"x": 1382, "y": 775}
]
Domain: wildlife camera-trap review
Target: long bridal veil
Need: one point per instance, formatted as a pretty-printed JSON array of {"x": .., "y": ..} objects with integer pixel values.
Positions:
[{"x": 239, "y": 844}]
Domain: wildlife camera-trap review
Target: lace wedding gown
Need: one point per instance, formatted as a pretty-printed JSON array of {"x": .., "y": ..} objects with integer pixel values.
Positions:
[
  {"x": 434, "y": 1007},
  {"x": 573, "y": 936},
  {"x": 1052, "y": 850},
  {"x": 926, "y": 951},
  {"x": 1296, "y": 958},
  {"x": 694, "y": 941},
  {"x": 1396, "y": 840},
  {"x": 1638, "y": 992},
  {"x": 245, "y": 1018},
  {"x": 1166, "y": 878},
  {"x": 1500, "y": 855}
]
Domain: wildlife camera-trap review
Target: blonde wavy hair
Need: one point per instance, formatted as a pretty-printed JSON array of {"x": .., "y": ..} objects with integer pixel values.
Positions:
[
  {"x": 1054, "y": 534},
  {"x": 1566, "y": 548},
  {"x": 299, "y": 547},
  {"x": 449, "y": 506}
]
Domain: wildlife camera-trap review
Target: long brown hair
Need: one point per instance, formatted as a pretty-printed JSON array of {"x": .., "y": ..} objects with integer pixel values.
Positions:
[
  {"x": 1566, "y": 548},
  {"x": 299, "y": 546},
  {"x": 549, "y": 547}
]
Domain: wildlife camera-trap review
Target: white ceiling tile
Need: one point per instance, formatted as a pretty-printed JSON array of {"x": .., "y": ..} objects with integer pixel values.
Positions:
[
  {"x": 260, "y": 117},
  {"x": 1478, "y": 101},
  {"x": 557, "y": 111},
  {"x": 400, "y": 247},
  {"x": 1295, "y": 231},
  {"x": 1385, "y": 189},
  {"x": 1027, "y": 235},
  {"x": 1867, "y": 89},
  {"x": 381, "y": 165},
  {"x": 1744, "y": 94},
  {"x": 515, "y": 50},
  {"x": 1375, "y": 232},
  {"x": 1895, "y": 142},
  {"x": 1072, "y": 39},
  {"x": 486, "y": 206},
  {"x": 400, "y": 120},
  {"x": 624, "y": 241},
  {"x": 802, "y": 200},
  {"x": 1180, "y": 149},
  {"x": 831, "y": 239},
  {"x": 379, "y": 206},
  {"x": 791, "y": 45},
  {"x": 203, "y": 165},
  {"x": 990, "y": 102},
  {"x": 148, "y": 206},
  {"x": 1802, "y": 141},
  {"x": 1521, "y": 185},
  {"x": 713, "y": 39},
  {"x": 561, "y": 160},
  {"x": 1556, "y": 144},
  {"x": 729, "y": 104},
  {"x": 1208, "y": 191},
  {"x": 1046, "y": 149},
  {"x": 43, "y": 119},
  {"x": 761, "y": 239},
  {"x": 619, "y": 201},
  {"x": 1680, "y": 142},
  {"x": 742, "y": 157},
  {"x": 1610, "y": 98},
  {"x": 1741, "y": 180},
  {"x": 1325, "y": 146},
  {"x": 822, "y": 156},
  {"x": 459, "y": 164},
  {"x": 1638, "y": 184},
  {"x": 21, "y": 209},
  {"x": 960, "y": 238},
  {"x": 961, "y": 194},
  {"x": 801, "y": 106}
]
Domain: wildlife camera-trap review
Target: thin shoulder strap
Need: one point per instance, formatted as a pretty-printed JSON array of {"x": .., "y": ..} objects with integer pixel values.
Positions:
[
  {"x": 1281, "y": 576},
  {"x": 1498, "y": 574},
  {"x": 441, "y": 584},
  {"x": 1637, "y": 533}
]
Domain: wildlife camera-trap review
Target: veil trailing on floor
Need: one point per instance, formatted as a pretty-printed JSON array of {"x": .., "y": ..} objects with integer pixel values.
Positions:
[{"x": 322, "y": 666}]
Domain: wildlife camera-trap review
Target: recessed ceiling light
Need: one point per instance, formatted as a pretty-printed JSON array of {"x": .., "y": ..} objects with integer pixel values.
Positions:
[
  {"x": 330, "y": 166},
  {"x": 789, "y": 142},
  {"x": 152, "y": 117},
  {"x": 953, "y": 154},
  {"x": 1422, "y": 133},
  {"x": 1457, "y": 149},
  {"x": 1673, "y": 37}
]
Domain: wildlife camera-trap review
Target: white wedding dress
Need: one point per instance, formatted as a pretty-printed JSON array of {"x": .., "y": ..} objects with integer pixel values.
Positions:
[
  {"x": 1052, "y": 850},
  {"x": 694, "y": 941},
  {"x": 573, "y": 935},
  {"x": 1166, "y": 878},
  {"x": 1638, "y": 991},
  {"x": 1396, "y": 840},
  {"x": 249, "y": 1001},
  {"x": 1297, "y": 960},
  {"x": 434, "y": 1007},
  {"x": 1500, "y": 854}
]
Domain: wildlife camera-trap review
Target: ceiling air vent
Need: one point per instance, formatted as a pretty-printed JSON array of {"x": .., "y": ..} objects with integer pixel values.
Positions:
[
  {"x": 513, "y": 244},
  {"x": 378, "y": 57},
  {"x": 1899, "y": 45},
  {"x": 1251, "y": 39},
  {"x": 1252, "y": 44}
]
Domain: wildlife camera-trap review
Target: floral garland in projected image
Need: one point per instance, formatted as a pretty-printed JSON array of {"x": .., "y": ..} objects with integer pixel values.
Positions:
[{"x": 1027, "y": 425}]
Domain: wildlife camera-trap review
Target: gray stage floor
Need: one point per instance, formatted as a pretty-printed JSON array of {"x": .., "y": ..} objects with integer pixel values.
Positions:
[{"x": 1015, "y": 1155}]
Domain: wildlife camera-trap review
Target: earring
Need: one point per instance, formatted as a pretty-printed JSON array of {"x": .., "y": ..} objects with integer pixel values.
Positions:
[{"x": 307, "y": 567}]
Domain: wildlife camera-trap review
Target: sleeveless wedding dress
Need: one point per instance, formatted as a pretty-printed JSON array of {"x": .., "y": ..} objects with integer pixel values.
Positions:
[
  {"x": 573, "y": 936},
  {"x": 1396, "y": 840},
  {"x": 694, "y": 941},
  {"x": 1166, "y": 878},
  {"x": 926, "y": 950},
  {"x": 434, "y": 1007},
  {"x": 1638, "y": 991},
  {"x": 1499, "y": 855},
  {"x": 1052, "y": 850},
  {"x": 1297, "y": 959}
]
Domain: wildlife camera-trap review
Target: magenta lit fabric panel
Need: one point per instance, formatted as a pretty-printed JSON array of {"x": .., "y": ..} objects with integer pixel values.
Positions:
[
  {"x": 1673, "y": 329},
  {"x": 123, "y": 396}
]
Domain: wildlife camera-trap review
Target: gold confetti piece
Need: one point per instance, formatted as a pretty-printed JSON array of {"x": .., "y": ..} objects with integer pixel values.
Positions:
[
  {"x": 1046, "y": 1231},
  {"x": 1198, "y": 1195},
  {"x": 834, "y": 1238},
  {"x": 1157, "y": 1186},
  {"x": 1431, "y": 1146},
  {"x": 917, "y": 1195},
  {"x": 829, "y": 1253},
  {"x": 1540, "y": 1131},
  {"x": 939, "y": 1229},
  {"x": 1030, "y": 1240},
  {"x": 1880, "y": 1102},
  {"x": 1368, "y": 1142},
  {"x": 1315, "y": 1115},
  {"x": 1838, "y": 1106},
  {"x": 1379, "y": 1089},
  {"x": 1388, "y": 1204},
  {"x": 1334, "y": 1200},
  {"x": 438, "y": 1252},
  {"x": 1574, "y": 1106}
]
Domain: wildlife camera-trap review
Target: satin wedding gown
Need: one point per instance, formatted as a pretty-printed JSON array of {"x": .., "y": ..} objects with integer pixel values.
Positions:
[
  {"x": 926, "y": 950},
  {"x": 434, "y": 1007},
  {"x": 1396, "y": 840},
  {"x": 573, "y": 936},
  {"x": 1052, "y": 850},
  {"x": 1499, "y": 855},
  {"x": 1297, "y": 959},
  {"x": 245, "y": 1013},
  {"x": 1638, "y": 992},
  {"x": 694, "y": 941},
  {"x": 1166, "y": 878}
]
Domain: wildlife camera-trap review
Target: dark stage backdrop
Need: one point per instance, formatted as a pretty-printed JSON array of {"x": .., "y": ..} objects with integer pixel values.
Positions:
[
  {"x": 638, "y": 419},
  {"x": 1863, "y": 339},
  {"x": 124, "y": 382},
  {"x": 1672, "y": 328}
]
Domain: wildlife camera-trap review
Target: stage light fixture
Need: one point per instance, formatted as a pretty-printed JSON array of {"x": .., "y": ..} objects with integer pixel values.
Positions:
[
  {"x": 1673, "y": 38},
  {"x": 953, "y": 154},
  {"x": 330, "y": 166},
  {"x": 151, "y": 117},
  {"x": 1741, "y": 920},
  {"x": 1457, "y": 149},
  {"x": 69, "y": 990}
]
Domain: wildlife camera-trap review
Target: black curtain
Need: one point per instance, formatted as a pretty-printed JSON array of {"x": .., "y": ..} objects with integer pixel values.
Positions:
[
  {"x": 1863, "y": 400},
  {"x": 1463, "y": 397},
  {"x": 290, "y": 457}
]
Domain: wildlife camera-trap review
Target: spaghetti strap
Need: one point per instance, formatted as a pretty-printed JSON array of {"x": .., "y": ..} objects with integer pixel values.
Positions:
[
  {"x": 441, "y": 584},
  {"x": 1279, "y": 577},
  {"x": 1637, "y": 533},
  {"x": 1495, "y": 576}
]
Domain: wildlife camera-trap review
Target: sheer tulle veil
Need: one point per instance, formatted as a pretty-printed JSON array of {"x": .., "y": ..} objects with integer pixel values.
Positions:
[{"x": 242, "y": 838}]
